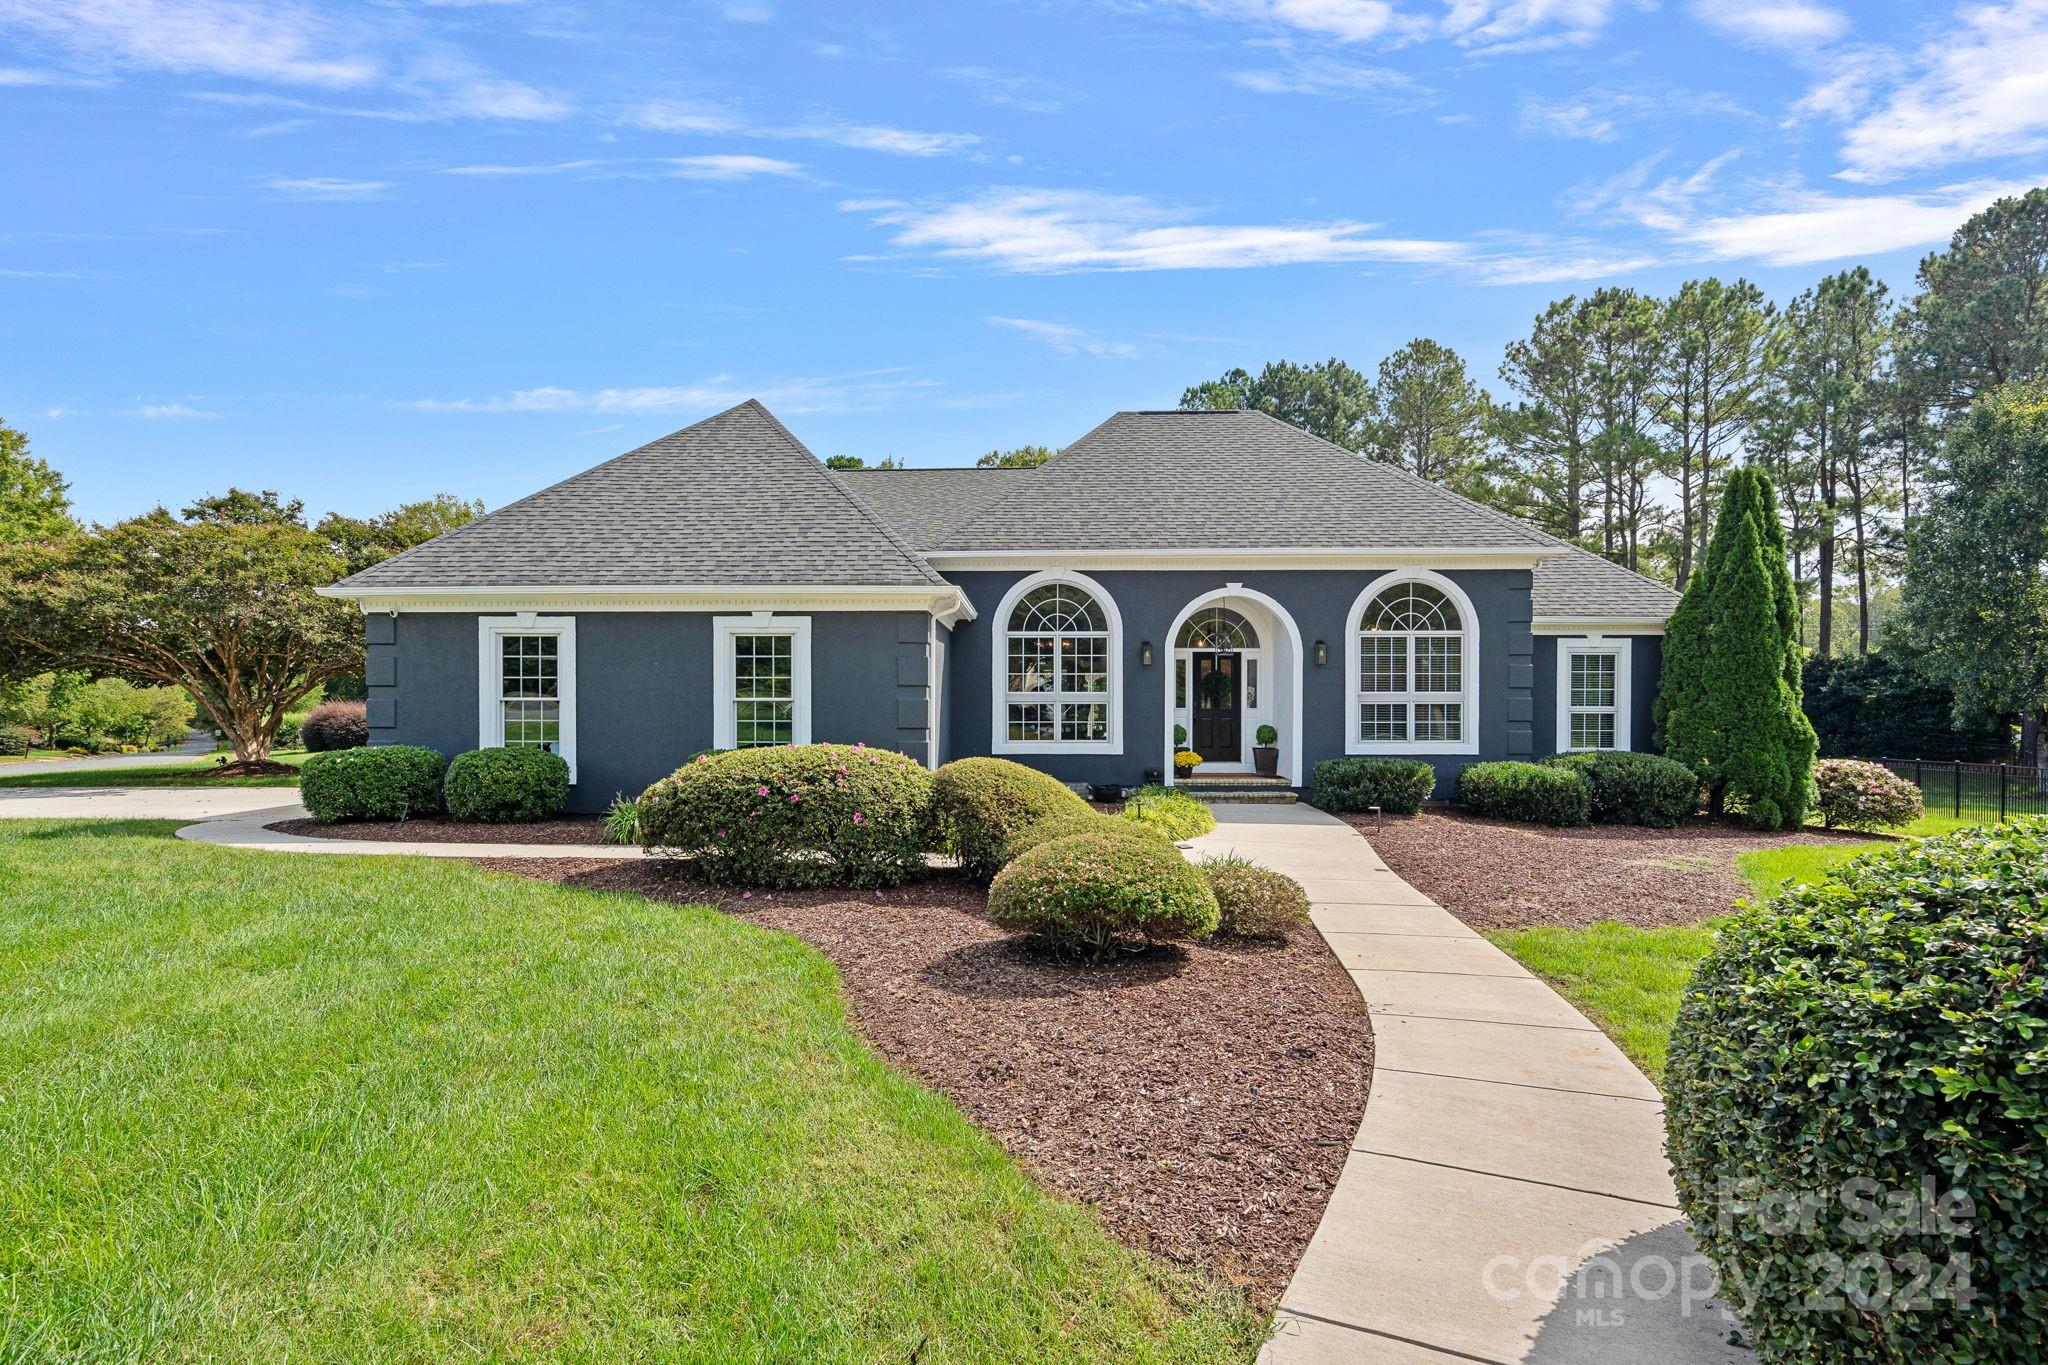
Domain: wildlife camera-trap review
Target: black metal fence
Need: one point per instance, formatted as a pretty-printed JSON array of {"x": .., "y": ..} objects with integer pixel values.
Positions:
[{"x": 1975, "y": 791}]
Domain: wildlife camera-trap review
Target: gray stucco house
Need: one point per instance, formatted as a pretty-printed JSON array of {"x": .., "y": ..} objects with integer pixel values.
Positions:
[{"x": 1218, "y": 571}]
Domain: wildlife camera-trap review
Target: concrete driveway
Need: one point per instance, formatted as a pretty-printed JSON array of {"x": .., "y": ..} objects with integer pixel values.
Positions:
[
  {"x": 144, "y": 803},
  {"x": 199, "y": 746}
]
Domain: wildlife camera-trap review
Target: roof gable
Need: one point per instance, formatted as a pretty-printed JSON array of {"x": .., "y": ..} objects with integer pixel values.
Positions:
[{"x": 732, "y": 500}]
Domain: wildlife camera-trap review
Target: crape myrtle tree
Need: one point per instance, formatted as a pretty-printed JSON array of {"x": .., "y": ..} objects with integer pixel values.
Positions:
[
  {"x": 1977, "y": 567},
  {"x": 1729, "y": 706}
]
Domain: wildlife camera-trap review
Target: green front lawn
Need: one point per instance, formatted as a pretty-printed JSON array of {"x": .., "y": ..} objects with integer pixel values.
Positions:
[
  {"x": 268, "y": 1108},
  {"x": 199, "y": 772}
]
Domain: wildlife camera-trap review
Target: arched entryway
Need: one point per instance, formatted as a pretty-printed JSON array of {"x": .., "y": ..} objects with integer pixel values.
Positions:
[{"x": 1234, "y": 664}]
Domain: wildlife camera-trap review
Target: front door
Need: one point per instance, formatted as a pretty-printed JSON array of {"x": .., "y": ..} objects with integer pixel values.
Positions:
[{"x": 1217, "y": 711}]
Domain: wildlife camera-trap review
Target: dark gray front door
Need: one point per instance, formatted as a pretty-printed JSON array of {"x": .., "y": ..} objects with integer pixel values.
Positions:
[{"x": 1217, "y": 710}]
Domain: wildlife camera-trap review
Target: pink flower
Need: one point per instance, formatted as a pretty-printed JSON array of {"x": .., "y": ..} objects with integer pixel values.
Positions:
[
  {"x": 858, "y": 819},
  {"x": 760, "y": 791},
  {"x": 746, "y": 895}
]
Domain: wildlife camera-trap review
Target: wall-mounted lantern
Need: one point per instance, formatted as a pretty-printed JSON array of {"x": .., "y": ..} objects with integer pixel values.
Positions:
[
  {"x": 1322, "y": 654},
  {"x": 1145, "y": 654}
]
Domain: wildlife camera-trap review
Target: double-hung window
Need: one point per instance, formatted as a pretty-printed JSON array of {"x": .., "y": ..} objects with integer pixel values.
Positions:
[
  {"x": 1592, "y": 694},
  {"x": 526, "y": 684},
  {"x": 761, "y": 681},
  {"x": 1056, "y": 669}
]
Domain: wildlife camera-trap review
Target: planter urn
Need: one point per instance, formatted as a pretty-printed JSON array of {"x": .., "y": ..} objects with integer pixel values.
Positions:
[{"x": 1266, "y": 760}]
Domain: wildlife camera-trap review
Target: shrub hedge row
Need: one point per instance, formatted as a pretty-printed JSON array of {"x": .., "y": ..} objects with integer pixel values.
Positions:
[
  {"x": 1535, "y": 792},
  {"x": 387, "y": 782},
  {"x": 1635, "y": 789},
  {"x": 506, "y": 785},
  {"x": 981, "y": 803},
  {"x": 1398, "y": 786}
]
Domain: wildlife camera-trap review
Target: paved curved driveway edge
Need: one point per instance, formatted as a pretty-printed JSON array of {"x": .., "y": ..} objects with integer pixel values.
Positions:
[
  {"x": 247, "y": 831},
  {"x": 1506, "y": 1199}
]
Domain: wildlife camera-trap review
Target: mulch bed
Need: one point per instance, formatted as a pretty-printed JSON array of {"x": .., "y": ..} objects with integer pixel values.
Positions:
[
  {"x": 1201, "y": 1098},
  {"x": 433, "y": 830},
  {"x": 262, "y": 767},
  {"x": 1495, "y": 875}
]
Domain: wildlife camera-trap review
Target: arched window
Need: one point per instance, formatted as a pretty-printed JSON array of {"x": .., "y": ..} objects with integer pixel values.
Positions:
[
  {"x": 1413, "y": 657},
  {"x": 1216, "y": 628},
  {"x": 1058, "y": 660}
]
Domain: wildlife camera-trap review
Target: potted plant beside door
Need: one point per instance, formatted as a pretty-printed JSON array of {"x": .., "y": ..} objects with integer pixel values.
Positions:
[{"x": 1265, "y": 756}]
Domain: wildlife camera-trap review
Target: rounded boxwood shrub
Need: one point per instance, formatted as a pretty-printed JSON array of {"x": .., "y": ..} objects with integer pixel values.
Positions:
[
  {"x": 1533, "y": 792},
  {"x": 800, "y": 815},
  {"x": 1398, "y": 786},
  {"x": 1635, "y": 789},
  {"x": 1091, "y": 895},
  {"x": 982, "y": 802},
  {"x": 16, "y": 740},
  {"x": 382, "y": 782},
  {"x": 335, "y": 725},
  {"x": 1073, "y": 822},
  {"x": 1849, "y": 794},
  {"x": 1882, "y": 1026},
  {"x": 1175, "y": 814},
  {"x": 1254, "y": 901},
  {"x": 504, "y": 786}
]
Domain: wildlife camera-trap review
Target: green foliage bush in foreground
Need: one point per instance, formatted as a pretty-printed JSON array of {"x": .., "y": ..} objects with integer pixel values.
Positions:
[
  {"x": 1536, "y": 792},
  {"x": 1092, "y": 895},
  {"x": 1174, "y": 814},
  {"x": 800, "y": 815},
  {"x": 1852, "y": 795},
  {"x": 335, "y": 725},
  {"x": 505, "y": 786},
  {"x": 622, "y": 821},
  {"x": 1077, "y": 822},
  {"x": 1635, "y": 789},
  {"x": 16, "y": 740},
  {"x": 982, "y": 803},
  {"x": 1885, "y": 1026},
  {"x": 1397, "y": 786},
  {"x": 384, "y": 782},
  {"x": 1254, "y": 901}
]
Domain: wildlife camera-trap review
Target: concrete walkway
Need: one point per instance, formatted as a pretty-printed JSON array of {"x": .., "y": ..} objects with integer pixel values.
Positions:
[
  {"x": 247, "y": 831},
  {"x": 1506, "y": 1199},
  {"x": 146, "y": 803}
]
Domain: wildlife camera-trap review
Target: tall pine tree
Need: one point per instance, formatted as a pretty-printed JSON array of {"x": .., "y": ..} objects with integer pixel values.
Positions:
[{"x": 1729, "y": 707}]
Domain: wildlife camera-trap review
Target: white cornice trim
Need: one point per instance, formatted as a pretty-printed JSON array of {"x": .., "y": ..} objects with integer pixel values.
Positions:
[
  {"x": 1598, "y": 625},
  {"x": 1282, "y": 557},
  {"x": 948, "y": 603}
]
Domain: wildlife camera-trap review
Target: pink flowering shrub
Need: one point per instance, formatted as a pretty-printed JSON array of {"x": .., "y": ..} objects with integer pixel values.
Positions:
[
  {"x": 1853, "y": 795},
  {"x": 804, "y": 815}
]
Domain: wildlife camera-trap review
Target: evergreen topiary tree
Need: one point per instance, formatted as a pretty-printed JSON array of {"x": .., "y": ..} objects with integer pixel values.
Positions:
[{"x": 1729, "y": 706}]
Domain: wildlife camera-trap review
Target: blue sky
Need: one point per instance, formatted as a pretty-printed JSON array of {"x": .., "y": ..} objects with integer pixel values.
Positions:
[{"x": 364, "y": 253}]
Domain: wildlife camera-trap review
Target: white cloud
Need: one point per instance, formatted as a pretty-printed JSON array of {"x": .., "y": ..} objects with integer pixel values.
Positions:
[
  {"x": 728, "y": 166},
  {"x": 326, "y": 189},
  {"x": 731, "y": 167},
  {"x": 1066, "y": 338},
  {"x": 541, "y": 168},
  {"x": 1566, "y": 119},
  {"x": 1502, "y": 26},
  {"x": 167, "y": 412},
  {"x": 862, "y": 391},
  {"x": 671, "y": 116},
  {"x": 1032, "y": 94},
  {"x": 16, "y": 76},
  {"x": 1606, "y": 114},
  {"x": 1774, "y": 23},
  {"x": 1810, "y": 226},
  {"x": 275, "y": 41},
  {"x": 1379, "y": 85},
  {"x": 1978, "y": 91},
  {"x": 1029, "y": 231},
  {"x": 1483, "y": 26}
]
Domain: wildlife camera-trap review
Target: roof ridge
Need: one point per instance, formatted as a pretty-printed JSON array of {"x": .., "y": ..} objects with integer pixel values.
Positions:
[{"x": 851, "y": 498}]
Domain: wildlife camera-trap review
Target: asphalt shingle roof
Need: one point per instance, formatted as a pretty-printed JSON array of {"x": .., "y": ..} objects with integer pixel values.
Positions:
[
  {"x": 1176, "y": 480},
  {"x": 1577, "y": 583},
  {"x": 734, "y": 499},
  {"x": 924, "y": 504}
]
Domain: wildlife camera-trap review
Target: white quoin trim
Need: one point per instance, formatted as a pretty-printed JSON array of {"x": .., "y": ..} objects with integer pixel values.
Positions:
[{"x": 1290, "y": 738}]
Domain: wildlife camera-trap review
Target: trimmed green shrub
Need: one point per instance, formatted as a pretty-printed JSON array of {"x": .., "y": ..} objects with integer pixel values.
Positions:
[
  {"x": 1635, "y": 789},
  {"x": 1072, "y": 823},
  {"x": 335, "y": 725},
  {"x": 16, "y": 740},
  {"x": 1254, "y": 901},
  {"x": 382, "y": 782},
  {"x": 1397, "y": 786},
  {"x": 1879, "y": 1028},
  {"x": 1091, "y": 895},
  {"x": 505, "y": 786},
  {"x": 1267, "y": 735},
  {"x": 798, "y": 815},
  {"x": 1534, "y": 792},
  {"x": 1175, "y": 814},
  {"x": 982, "y": 802},
  {"x": 1848, "y": 794},
  {"x": 621, "y": 821}
]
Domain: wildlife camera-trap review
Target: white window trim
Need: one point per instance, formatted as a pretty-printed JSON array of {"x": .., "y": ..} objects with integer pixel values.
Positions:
[
  {"x": 724, "y": 629},
  {"x": 1623, "y": 651},
  {"x": 490, "y": 724},
  {"x": 1468, "y": 672},
  {"x": 999, "y": 664}
]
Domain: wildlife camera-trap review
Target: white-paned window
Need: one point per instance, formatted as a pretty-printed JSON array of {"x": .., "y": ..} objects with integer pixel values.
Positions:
[
  {"x": 1592, "y": 694},
  {"x": 526, "y": 684},
  {"x": 761, "y": 681},
  {"x": 1414, "y": 661},
  {"x": 1056, "y": 679}
]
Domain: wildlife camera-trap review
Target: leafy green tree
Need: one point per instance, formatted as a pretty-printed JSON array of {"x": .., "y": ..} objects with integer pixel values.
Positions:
[
  {"x": 1981, "y": 317},
  {"x": 1714, "y": 340},
  {"x": 362, "y": 542},
  {"x": 240, "y": 507},
  {"x": 225, "y": 610},
  {"x": 1332, "y": 400},
  {"x": 1977, "y": 565},
  {"x": 1432, "y": 419},
  {"x": 1023, "y": 457},
  {"x": 35, "y": 503},
  {"x": 1729, "y": 707},
  {"x": 1623, "y": 347}
]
